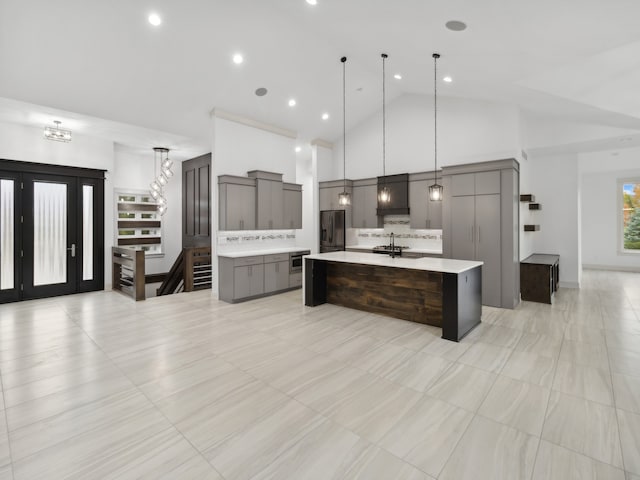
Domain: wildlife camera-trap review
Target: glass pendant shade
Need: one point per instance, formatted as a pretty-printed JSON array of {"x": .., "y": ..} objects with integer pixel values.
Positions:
[
  {"x": 167, "y": 163},
  {"x": 385, "y": 195},
  {"x": 162, "y": 209},
  {"x": 162, "y": 179},
  {"x": 154, "y": 194},
  {"x": 344, "y": 199},
  {"x": 155, "y": 186},
  {"x": 167, "y": 173},
  {"x": 161, "y": 200},
  {"x": 435, "y": 192}
]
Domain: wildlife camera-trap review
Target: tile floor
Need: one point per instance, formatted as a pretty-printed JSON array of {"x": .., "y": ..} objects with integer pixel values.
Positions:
[{"x": 96, "y": 386}]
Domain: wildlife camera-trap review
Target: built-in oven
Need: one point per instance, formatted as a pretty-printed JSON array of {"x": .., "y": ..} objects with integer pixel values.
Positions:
[{"x": 295, "y": 261}]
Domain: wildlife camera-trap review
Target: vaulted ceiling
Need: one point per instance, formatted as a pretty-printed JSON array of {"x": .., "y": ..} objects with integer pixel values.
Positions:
[{"x": 102, "y": 65}]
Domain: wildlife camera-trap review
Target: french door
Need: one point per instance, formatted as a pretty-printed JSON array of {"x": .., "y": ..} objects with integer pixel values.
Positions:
[{"x": 51, "y": 233}]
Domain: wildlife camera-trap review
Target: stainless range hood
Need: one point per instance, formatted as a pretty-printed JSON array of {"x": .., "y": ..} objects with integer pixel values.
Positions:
[{"x": 399, "y": 186}]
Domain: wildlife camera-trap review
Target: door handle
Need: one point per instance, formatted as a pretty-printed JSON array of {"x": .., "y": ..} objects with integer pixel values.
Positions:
[
  {"x": 478, "y": 233},
  {"x": 472, "y": 234},
  {"x": 73, "y": 250}
]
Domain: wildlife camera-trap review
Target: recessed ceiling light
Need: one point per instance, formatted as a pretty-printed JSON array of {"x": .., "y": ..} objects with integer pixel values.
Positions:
[
  {"x": 325, "y": 116},
  {"x": 312, "y": 2},
  {"x": 456, "y": 25},
  {"x": 298, "y": 149},
  {"x": 397, "y": 76},
  {"x": 261, "y": 92},
  {"x": 154, "y": 19},
  {"x": 292, "y": 102},
  {"x": 238, "y": 59},
  {"x": 447, "y": 79}
]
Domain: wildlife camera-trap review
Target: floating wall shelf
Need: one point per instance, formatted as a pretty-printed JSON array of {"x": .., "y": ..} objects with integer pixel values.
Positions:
[
  {"x": 527, "y": 198},
  {"x": 535, "y": 206},
  {"x": 531, "y": 228}
]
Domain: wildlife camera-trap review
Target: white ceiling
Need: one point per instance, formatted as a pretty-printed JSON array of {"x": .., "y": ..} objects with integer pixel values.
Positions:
[{"x": 577, "y": 59}]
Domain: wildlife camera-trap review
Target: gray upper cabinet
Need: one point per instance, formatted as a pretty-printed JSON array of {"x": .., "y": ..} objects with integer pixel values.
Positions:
[
  {"x": 423, "y": 213},
  {"x": 292, "y": 195},
  {"x": 237, "y": 203},
  {"x": 364, "y": 202},
  {"x": 480, "y": 210},
  {"x": 269, "y": 199},
  {"x": 258, "y": 202}
]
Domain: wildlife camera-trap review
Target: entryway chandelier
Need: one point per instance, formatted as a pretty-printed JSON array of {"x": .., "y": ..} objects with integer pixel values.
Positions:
[
  {"x": 56, "y": 133},
  {"x": 161, "y": 162}
]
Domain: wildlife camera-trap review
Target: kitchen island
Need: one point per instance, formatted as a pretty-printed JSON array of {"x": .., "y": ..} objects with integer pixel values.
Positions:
[{"x": 442, "y": 292}]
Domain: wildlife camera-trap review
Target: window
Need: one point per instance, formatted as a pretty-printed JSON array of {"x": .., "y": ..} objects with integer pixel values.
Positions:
[
  {"x": 629, "y": 226},
  {"x": 138, "y": 223}
]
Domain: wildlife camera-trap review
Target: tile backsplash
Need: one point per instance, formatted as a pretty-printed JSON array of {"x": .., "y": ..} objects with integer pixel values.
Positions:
[
  {"x": 403, "y": 233},
  {"x": 243, "y": 240}
]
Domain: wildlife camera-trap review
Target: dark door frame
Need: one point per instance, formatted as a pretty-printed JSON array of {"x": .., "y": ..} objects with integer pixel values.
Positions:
[{"x": 17, "y": 170}]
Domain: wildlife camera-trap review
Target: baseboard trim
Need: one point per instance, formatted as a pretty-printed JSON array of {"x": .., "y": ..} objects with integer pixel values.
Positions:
[
  {"x": 569, "y": 284},
  {"x": 614, "y": 268}
]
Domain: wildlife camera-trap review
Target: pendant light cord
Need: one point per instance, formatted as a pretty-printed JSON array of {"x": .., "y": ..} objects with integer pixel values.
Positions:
[
  {"x": 435, "y": 114},
  {"x": 344, "y": 123},
  {"x": 384, "y": 122}
]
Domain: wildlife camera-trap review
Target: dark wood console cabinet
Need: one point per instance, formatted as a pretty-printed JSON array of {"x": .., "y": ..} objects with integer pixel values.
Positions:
[{"x": 539, "y": 277}]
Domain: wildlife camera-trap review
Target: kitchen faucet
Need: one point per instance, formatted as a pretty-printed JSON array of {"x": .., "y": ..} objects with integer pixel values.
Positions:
[{"x": 393, "y": 246}]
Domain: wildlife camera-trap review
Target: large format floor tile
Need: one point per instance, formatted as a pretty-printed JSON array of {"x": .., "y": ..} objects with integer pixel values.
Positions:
[
  {"x": 583, "y": 426},
  {"x": 558, "y": 463},
  {"x": 185, "y": 386},
  {"x": 491, "y": 450}
]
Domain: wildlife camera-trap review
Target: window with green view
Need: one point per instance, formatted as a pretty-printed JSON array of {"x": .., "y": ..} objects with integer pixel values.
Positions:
[{"x": 631, "y": 215}]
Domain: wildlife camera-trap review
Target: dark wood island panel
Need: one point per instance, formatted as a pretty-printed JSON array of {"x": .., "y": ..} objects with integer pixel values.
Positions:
[{"x": 451, "y": 301}]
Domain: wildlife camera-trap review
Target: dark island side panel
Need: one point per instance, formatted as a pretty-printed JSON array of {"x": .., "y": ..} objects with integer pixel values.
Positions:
[{"x": 414, "y": 295}]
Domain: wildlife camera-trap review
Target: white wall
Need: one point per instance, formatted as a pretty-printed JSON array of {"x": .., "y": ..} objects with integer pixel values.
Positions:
[
  {"x": 240, "y": 148},
  {"x": 600, "y": 172},
  {"x": 468, "y": 131},
  {"x": 19, "y": 142},
  {"x": 306, "y": 176},
  {"x": 135, "y": 171},
  {"x": 554, "y": 182}
]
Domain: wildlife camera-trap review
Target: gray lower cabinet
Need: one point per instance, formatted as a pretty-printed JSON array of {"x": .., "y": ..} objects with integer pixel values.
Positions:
[
  {"x": 481, "y": 209},
  {"x": 423, "y": 212},
  {"x": 237, "y": 205},
  {"x": 292, "y": 195},
  {"x": 276, "y": 275},
  {"x": 244, "y": 278},
  {"x": 248, "y": 281},
  {"x": 364, "y": 203}
]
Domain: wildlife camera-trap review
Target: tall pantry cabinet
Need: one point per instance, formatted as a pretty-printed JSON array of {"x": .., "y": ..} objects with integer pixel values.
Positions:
[{"x": 480, "y": 222}]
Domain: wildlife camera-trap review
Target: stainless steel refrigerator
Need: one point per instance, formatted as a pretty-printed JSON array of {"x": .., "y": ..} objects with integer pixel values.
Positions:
[{"x": 331, "y": 231}]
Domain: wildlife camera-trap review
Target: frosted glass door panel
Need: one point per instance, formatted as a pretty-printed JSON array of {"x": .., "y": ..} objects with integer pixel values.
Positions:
[
  {"x": 87, "y": 232},
  {"x": 49, "y": 233},
  {"x": 7, "y": 247}
]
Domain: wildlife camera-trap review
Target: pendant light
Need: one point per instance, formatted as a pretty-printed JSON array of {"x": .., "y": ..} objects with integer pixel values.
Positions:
[
  {"x": 435, "y": 190},
  {"x": 161, "y": 160},
  {"x": 384, "y": 196},
  {"x": 344, "y": 198}
]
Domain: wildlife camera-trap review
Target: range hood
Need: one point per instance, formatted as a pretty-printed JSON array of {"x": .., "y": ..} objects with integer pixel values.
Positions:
[{"x": 399, "y": 187}]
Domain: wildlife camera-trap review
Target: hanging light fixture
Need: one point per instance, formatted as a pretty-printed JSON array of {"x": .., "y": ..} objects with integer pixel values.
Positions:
[
  {"x": 384, "y": 196},
  {"x": 435, "y": 190},
  {"x": 56, "y": 133},
  {"x": 161, "y": 160},
  {"x": 344, "y": 198}
]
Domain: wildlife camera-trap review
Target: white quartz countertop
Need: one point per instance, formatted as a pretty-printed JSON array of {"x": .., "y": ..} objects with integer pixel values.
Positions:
[
  {"x": 431, "y": 264},
  {"x": 432, "y": 251},
  {"x": 270, "y": 251}
]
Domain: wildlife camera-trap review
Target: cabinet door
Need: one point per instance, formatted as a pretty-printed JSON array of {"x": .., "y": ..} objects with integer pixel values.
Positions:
[
  {"x": 270, "y": 277},
  {"x": 292, "y": 209},
  {"x": 463, "y": 184},
  {"x": 276, "y": 202},
  {"x": 462, "y": 228},
  {"x": 264, "y": 217},
  {"x": 241, "y": 282},
  {"x": 256, "y": 279},
  {"x": 240, "y": 207},
  {"x": 282, "y": 275},
  {"x": 371, "y": 219},
  {"x": 419, "y": 204},
  {"x": 488, "y": 247},
  {"x": 435, "y": 215},
  {"x": 358, "y": 201},
  {"x": 487, "y": 182},
  {"x": 325, "y": 198}
]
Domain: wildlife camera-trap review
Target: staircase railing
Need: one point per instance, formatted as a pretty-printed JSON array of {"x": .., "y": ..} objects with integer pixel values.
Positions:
[
  {"x": 191, "y": 271},
  {"x": 128, "y": 271}
]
